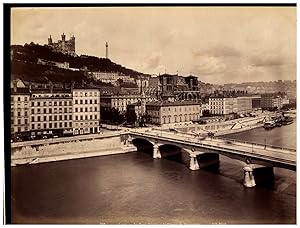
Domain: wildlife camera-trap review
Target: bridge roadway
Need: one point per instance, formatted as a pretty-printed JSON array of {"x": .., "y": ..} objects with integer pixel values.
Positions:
[{"x": 266, "y": 155}]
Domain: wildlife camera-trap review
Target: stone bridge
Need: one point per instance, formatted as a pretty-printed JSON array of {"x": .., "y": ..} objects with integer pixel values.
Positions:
[{"x": 253, "y": 155}]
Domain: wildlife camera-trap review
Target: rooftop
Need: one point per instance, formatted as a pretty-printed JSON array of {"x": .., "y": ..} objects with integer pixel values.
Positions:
[{"x": 168, "y": 103}]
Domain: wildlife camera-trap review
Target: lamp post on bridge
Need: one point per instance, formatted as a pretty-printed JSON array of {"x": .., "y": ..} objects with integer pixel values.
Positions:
[{"x": 265, "y": 143}]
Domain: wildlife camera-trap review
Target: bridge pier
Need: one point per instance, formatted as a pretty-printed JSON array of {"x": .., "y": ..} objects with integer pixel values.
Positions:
[
  {"x": 193, "y": 162},
  {"x": 156, "y": 152},
  {"x": 249, "y": 180}
]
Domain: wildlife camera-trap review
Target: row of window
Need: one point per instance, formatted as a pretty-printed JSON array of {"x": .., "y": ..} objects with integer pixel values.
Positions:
[
  {"x": 80, "y": 94},
  {"x": 179, "y": 109},
  {"x": 85, "y": 101},
  {"x": 86, "y": 117},
  {"x": 50, "y": 125},
  {"x": 50, "y": 103},
  {"x": 50, "y": 118},
  {"x": 19, "y": 98},
  {"x": 91, "y": 109},
  {"x": 50, "y": 110}
]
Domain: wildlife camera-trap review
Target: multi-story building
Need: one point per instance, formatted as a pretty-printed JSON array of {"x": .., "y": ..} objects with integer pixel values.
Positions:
[
  {"x": 256, "y": 102},
  {"x": 120, "y": 102},
  {"x": 63, "y": 45},
  {"x": 162, "y": 112},
  {"x": 111, "y": 77},
  {"x": 222, "y": 105},
  {"x": 270, "y": 100},
  {"x": 86, "y": 110},
  {"x": 244, "y": 104},
  {"x": 51, "y": 112},
  {"x": 20, "y": 111}
]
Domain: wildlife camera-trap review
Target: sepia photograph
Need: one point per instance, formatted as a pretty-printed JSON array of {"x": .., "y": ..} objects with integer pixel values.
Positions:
[{"x": 150, "y": 114}]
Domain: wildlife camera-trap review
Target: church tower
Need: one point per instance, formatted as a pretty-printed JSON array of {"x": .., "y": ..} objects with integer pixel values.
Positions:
[
  {"x": 50, "y": 40},
  {"x": 106, "y": 50}
]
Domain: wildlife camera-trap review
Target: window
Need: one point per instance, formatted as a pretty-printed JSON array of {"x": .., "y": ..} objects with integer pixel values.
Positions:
[
  {"x": 95, "y": 109},
  {"x": 91, "y": 117},
  {"x": 45, "y": 103},
  {"x": 76, "y": 117},
  {"x": 60, "y": 103},
  {"x": 25, "y": 98},
  {"x": 19, "y": 113},
  {"x": 81, "y": 109},
  {"x": 38, "y": 110},
  {"x": 81, "y": 101},
  {"x": 86, "y": 101},
  {"x": 38, "y": 104},
  {"x": 76, "y": 109},
  {"x": 45, "y": 110},
  {"x": 19, "y": 121},
  {"x": 66, "y": 124},
  {"x": 60, "y": 124},
  {"x": 45, "y": 118},
  {"x": 70, "y": 117},
  {"x": 60, "y": 117},
  {"x": 70, "y": 124},
  {"x": 86, "y": 109},
  {"x": 50, "y": 103},
  {"x": 32, "y": 119},
  {"x": 55, "y": 118},
  {"x": 32, "y": 126},
  {"x": 81, "y": 117},
  {"x": 50, "y": 118},
  {"x": 65, "y": 117},
  {"x": 45, "y": 125},
  {"x": 19, "y": 98},
  {"x": 55, "y": 125},
  {"x": 66, "y": 110},
  {"x": 50, "y": 125},
  {"x": 95, "y": 101},
  {"x": 76, "y": 101},
  {"x": 50, "y": 110},
  {"x": 19, "y": 129},
  {"x": 39, "y": 118},
  {"x": 91, "y": 101},
  {"x": 26, "y": 120},
  {"x": 25, "y": 113},
  {"x": 55, "y": 103},
  {"x": 66, "y": 103},
  {"x": 95, "y": 116},
  {"x": 91, "y": 109}
]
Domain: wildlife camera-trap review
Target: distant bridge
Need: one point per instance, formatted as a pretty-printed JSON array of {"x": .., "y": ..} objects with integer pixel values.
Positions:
[{"x": 251, "y": 153}]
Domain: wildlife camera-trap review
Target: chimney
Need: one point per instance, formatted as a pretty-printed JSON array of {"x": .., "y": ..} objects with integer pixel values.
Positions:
[{"x": 15, "y": 85}]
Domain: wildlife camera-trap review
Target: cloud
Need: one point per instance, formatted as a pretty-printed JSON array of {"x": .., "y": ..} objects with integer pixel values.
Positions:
[
  {"x": 209, "y": 66},
  {"x": 267, "y": 61},
  {"x": 217, "y": 51}
]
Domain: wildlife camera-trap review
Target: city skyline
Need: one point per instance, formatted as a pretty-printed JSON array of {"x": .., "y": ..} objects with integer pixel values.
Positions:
[{"x": 237, "y": 45}]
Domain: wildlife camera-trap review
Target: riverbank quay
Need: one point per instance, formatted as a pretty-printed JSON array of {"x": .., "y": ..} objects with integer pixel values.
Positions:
[
  {"x": 57, "y": 149},
  {"x": 219, "y": 127}
]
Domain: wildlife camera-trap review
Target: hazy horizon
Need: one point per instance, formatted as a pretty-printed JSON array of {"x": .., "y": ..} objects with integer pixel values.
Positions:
[{"x": 220, "y": 45}]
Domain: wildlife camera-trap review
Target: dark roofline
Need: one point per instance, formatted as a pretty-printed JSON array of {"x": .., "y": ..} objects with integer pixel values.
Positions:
[{"x": 176, "y": 103}]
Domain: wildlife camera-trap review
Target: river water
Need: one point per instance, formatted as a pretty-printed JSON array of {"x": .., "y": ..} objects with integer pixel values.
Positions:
[{"x": 133, "y": 188}]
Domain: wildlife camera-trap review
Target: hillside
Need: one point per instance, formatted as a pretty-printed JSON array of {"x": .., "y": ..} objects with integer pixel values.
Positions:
[{"x": 25, "y": 58}]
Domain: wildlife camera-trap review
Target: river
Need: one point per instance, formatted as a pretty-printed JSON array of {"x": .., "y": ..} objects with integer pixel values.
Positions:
[{"x": 133, "y": 188}]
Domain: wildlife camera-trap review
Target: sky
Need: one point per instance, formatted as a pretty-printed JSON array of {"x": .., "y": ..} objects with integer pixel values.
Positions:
[{"x": 218, "y": 44}]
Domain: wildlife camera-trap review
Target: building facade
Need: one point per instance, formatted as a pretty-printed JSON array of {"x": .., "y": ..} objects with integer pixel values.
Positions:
[
  {"x": 20, "y": 111},
  {"x": 223, "y": 105},
  {"x": 51, "y": 113},
  {"x": 120, "y": 102},
  {"x": 86, "y": 110},
  {"x": 161, "y": 112}
]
